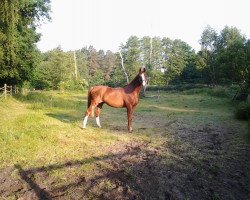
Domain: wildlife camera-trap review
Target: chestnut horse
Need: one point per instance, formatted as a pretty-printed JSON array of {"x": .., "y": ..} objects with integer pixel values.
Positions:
[{"x": 128, "y": 97}]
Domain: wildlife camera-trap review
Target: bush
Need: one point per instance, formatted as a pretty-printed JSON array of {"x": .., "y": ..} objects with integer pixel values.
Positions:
[
  {"x": 27, "y": 85},
  {"x": 243, "y": 111},
  {"x": 73, "y": 84},
  {"x": 177, "y": 87}
]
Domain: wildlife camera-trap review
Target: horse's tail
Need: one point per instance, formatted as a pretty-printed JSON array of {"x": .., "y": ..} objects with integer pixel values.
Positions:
[
  {"x": 89, "y": 101},
  {"x": 89, "y": 97}
]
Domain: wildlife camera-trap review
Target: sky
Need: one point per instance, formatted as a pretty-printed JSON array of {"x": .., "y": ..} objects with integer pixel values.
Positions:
[{"x": 106, "y": 24}]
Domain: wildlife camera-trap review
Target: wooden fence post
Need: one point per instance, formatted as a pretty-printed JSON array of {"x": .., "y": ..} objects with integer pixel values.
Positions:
[
  {"x": 11, "y": 90},
  {"x": 5, "y": 90}
]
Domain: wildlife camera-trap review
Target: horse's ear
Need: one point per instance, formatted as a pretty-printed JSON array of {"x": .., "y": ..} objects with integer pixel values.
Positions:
[{"x": 142, "y": 70}]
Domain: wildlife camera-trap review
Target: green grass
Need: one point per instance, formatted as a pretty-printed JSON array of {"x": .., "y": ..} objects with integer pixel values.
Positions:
[{"x": 43, "y": 128}]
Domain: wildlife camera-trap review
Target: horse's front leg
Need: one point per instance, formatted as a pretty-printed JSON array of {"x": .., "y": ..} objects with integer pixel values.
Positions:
[
  {"x": 97, "y": 114},
  {"x": 88, "y": 113},
  {"x": 130, "y": 111}
]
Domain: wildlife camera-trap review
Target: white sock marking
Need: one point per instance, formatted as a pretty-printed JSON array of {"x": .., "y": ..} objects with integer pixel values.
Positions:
[
  {"x": 98, "y": 121},
  {"x": 84, "y": 123}
]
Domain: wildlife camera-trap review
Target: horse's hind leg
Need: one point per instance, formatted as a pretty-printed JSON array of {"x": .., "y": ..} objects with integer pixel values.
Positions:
[
  {"x": 84, "y": 123},
  {"x": 88, "y": 113},
  {"x": 97, "y": 114}
]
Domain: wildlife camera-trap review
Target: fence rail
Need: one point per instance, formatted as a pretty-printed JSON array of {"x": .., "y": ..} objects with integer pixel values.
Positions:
[{"x": 7, "y": 90}]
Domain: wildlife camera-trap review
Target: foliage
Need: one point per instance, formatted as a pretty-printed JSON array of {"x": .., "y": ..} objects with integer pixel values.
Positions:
[
  {"x": 243, "y": 111},
  {"x": 131, "y": 54},
  {"x": 73, "y": 84},
  {"x": 224, "y": 58},
  {"x": 57, "y": 66},
  {"x": 178, "y": 53},
  {"x": 117, "y": 78},
  {"x": 179, "y": 87},
  {"x": 156, "y": 77},
  {"x": 18, "y": 53}
]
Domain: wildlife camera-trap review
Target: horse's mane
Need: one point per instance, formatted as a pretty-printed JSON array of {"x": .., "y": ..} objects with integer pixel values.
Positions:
[{"x": 133, "y": 84}]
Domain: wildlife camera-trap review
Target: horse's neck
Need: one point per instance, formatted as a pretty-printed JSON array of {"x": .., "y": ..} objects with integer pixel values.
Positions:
[{"x": 134, "y": 86}]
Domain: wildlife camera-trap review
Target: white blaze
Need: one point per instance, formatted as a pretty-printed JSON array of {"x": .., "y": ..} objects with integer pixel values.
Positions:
[{"x": 143, "y": 79}]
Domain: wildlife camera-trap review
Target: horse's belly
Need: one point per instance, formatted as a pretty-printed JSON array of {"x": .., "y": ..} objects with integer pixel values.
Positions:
[{"x": 114, "y": 101}]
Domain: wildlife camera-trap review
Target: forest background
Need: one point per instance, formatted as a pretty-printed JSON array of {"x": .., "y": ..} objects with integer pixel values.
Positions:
[{"x": 224, "y": 58}]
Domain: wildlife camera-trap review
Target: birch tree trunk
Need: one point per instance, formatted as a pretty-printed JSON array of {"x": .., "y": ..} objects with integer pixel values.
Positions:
[
  {"x": 126, "y": 75},
  {"x": 75, "y": 64}
]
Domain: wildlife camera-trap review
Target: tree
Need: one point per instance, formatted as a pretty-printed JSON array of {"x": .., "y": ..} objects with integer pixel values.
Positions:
[
  {"x": 152, "y": 53},
  {"x": 81, "y": 58},
  {"x": 57, "y": 67},
  {"x": 157, "y": 60},
  {"x": 145, "y": 48},
  {"x": 206, "y": 57},
  {"x": 110, "y": 62},
  {"x": 190, "y": 73},
  {"x": 131, "y": 54},
  {"x": 176, "y": 55},
  {"x": 231, "y": 56},
  {"x": 18, "y": 22},
  {"x": 223, "y": 56},
  {"x": 117, "y": 78}
]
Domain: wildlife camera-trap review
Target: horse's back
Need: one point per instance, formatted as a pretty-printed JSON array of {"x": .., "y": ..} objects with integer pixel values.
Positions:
[
  {"x": 98, "y": 91},
  {"x": 112, "y": 96}
]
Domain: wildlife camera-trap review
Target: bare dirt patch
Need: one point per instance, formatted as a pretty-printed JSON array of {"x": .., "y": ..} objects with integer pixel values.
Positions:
[{"x": 203, "y": 163}]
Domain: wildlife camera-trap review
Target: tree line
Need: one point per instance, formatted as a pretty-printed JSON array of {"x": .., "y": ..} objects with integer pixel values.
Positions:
[{"x": 224, "y": 57}]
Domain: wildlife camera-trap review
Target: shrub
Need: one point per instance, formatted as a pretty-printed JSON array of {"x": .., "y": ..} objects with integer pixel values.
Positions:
[
  {"x": 243, "y": 111},
  {"x": 73, "y": 84},
  {"x": 27, "y": 85},
  {"x": 177, "y": 87}
]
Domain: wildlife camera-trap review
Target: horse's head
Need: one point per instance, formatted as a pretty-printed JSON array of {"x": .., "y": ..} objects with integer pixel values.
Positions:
[{"x": 142, "y": 75}]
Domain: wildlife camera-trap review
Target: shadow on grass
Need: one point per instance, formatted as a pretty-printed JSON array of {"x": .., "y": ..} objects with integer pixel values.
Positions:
[
  {"x": 123, "y": 179},
  {"x": 196, "y": 165},
  {"x": 39, "y": 192},
  {"x": 109, "y": 123},
  {"x": 63, "y": 117},
  {"x": 178, "y": 169}
]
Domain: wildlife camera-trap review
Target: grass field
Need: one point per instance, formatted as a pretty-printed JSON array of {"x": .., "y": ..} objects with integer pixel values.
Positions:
[{"x": 185, "y": 145}]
